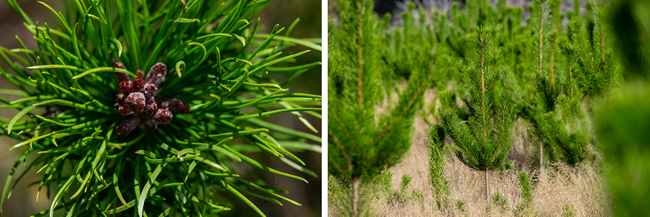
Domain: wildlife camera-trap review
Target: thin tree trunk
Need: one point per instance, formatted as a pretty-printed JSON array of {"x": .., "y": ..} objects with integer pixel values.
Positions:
[
  {"x": 356, "y": 182},
  {"x": 487, "y": 197}
]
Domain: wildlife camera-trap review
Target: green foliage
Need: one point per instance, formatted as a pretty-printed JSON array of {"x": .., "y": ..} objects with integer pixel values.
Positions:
[
  {"x": 544, "y": 67},
  {"x": 341, "y": 194},
  {"x": 406, "y": 180},
  {"x": 500, "y": 201},
  {"x": 191, "y": 165},
  {"x": 622, "y": 125},
  {"x": 402, "y": 195},
  {"x": 596, "y": 70},
  {"x": 510, "y": 165},
  {"x": 568, "y": 210},
  {"x": 630, "y": 28},
  {"x": 483, "y": 141},
  {"x": 409, "y": 47},
  {"x": 566, "y": 76},
  {"x": 546, "y": 71},
  {"x": 363, "y": 141},
  {"x": 437, "y": 176},
  {"x": 571, "y": 144},
  {"x": 526, "y": 193},
  {"x": 460, "y": 205}
]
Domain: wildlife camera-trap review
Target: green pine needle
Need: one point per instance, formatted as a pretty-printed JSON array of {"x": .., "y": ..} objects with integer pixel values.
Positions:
[{"x": 217, "y": 63}]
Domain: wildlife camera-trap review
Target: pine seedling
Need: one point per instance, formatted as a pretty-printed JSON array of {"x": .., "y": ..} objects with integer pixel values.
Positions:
[
  {"x": 437, "y": 176},
  {"x": 526, "y": 192},
  {"x": 461, "y": 18},
  {"x": 112, "y": 139},
  {"x": 465, "y": 22},
  {"x": 361, "y": 145},
  {"x": 404, "y": 184},
  {"x": 382, "y": 184},
  {"x": 451, "y": 49},
  {"x": 401, "y": 195},
  {"x": 568, "y": 210},
  {"x": 564, "y": 126},
  {"x": 484, "y": 140},
  {"x": 500, "y": 201}
]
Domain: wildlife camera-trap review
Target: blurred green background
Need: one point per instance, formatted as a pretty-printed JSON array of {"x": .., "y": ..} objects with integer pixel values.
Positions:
[{"x": 283, "y": 12}]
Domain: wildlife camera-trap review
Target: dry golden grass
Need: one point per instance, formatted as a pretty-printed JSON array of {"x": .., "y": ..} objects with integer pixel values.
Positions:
[{"x": 581, "y": 187}]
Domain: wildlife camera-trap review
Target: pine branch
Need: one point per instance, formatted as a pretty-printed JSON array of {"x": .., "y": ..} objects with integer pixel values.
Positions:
[
  {"x": 584, "y": 52},
  {"x": 342, "y": 150},
  {"x": 342, "y": 126}
]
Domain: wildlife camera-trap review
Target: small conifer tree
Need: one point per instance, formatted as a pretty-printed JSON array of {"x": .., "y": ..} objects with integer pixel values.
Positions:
[
  {"x": 437, "y": 176},
  {"x": 546, "y": 90},
  {"x": 362, "y": 141},
  {"x": 484, "y": 140},
  {"x": 526, "y": 193}
]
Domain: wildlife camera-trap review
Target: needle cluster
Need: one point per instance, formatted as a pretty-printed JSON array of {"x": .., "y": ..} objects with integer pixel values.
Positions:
[{"x": 204, "y": 114}]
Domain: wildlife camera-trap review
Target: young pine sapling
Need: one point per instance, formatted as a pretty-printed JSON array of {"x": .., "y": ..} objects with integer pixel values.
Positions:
[
  {"x": 361, "y": 146},
  {"x": 483, "y": 142}
]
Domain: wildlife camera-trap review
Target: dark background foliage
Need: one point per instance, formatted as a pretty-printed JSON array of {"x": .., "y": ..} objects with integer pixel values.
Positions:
[{"x": 283, "y": 12}]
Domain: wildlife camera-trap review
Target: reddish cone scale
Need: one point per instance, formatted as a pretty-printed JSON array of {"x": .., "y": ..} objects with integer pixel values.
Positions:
[
  {"x": 125, "y": 86},
  {"x": 151, "y": 107},
  {"x": 163, "y": 116},
  {"x": 136, "y": 100},
  {"x": 157, "y": 74},
  {"x": 127, "y": 125},
  {"x": 150, "y": 90},
  {"x": 120, "y": 76},
  {"x": 175, "y": 105},
  {"x": 139, "y": 73}
]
